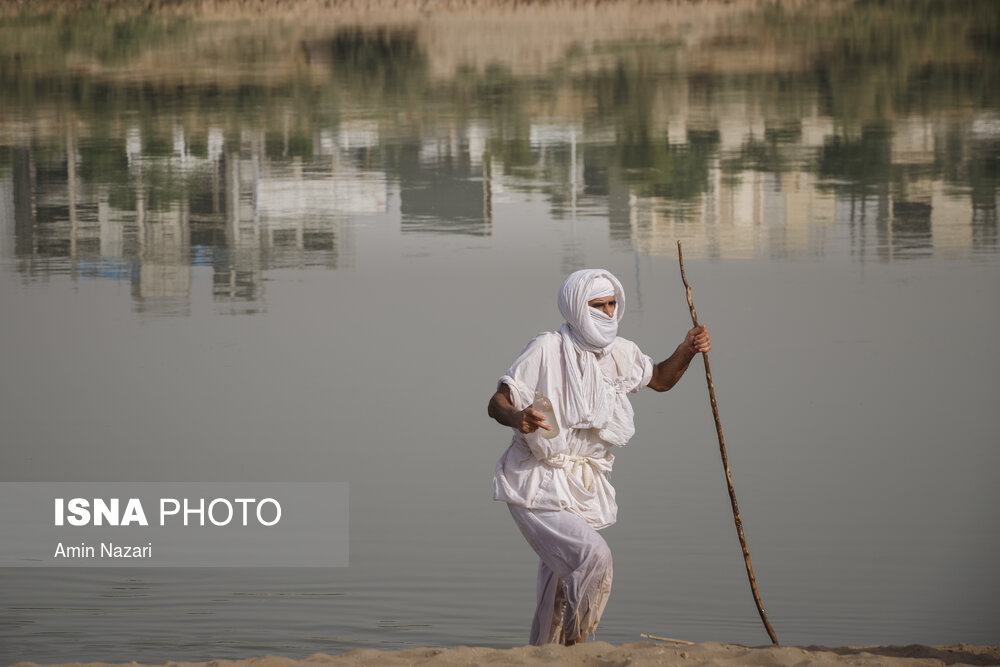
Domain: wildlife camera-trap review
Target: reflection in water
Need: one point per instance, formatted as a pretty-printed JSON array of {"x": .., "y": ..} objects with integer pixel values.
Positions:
[
  {"x": 443, "y": 187},
  {"x": 738, "y": 155},
  {"x": 233, "y": 209}
]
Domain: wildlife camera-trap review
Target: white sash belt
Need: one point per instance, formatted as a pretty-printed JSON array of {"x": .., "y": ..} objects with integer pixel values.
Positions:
[{"x": 582, "y": 467}]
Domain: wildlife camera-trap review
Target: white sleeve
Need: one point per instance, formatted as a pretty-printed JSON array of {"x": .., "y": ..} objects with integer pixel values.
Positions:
[
  {"x": 637, "y": 366},
  {"x": 647, "y": 371},
  {"x": 522, "y": 376}
]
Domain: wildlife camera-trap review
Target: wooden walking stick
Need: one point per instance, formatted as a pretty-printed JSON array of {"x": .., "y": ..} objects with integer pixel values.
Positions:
[{"x": 725, "y": 461}]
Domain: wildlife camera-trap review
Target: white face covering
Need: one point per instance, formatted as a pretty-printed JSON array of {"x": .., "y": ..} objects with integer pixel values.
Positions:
[{"x": 590, "y": 328}]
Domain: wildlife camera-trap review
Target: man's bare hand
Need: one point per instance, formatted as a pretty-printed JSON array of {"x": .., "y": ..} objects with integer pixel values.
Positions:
[
  {"x": 697, "y": 340},
  {"x": 529, "y": 421},
  {"x": 525, "y": 421}
]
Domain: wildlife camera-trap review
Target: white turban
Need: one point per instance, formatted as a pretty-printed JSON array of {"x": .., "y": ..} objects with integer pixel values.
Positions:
[
  {"x": 601, "y": 288},
  {"x": 590, "y": 328}
]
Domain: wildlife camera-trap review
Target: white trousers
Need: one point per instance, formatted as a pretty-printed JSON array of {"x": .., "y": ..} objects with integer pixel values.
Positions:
[{"x": 574, "y": 573}]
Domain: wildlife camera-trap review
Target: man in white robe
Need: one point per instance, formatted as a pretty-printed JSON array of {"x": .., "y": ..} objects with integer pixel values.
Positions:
[{"x": 554, "y": 486}]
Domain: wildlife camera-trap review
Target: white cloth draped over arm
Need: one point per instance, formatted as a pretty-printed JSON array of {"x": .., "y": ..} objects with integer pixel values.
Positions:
[{"x": 538, "y": 370}]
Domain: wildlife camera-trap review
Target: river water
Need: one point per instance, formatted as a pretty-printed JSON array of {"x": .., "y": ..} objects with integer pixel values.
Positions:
[{"x": 271, "y": 251}]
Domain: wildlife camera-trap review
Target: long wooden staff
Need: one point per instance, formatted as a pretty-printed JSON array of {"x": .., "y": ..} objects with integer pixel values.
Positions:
[{"x": 725, "y": 461}]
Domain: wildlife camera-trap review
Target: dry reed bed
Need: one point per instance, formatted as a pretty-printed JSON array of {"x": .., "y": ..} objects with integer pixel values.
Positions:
[{"x": 521, "y": 37}]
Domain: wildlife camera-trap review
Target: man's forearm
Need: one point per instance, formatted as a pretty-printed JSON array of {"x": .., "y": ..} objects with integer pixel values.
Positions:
[
  {"x": 501, "y": 409},
  {"x": 669, "y": 371}
]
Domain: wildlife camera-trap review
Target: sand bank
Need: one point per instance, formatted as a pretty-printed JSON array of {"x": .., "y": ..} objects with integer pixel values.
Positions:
[{"x": 642, "y": 653}]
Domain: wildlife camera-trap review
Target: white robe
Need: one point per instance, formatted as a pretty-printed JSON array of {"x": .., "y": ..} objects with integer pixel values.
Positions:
[
  {"x": 557, "y": 489},
  {"x": 552, "y": 474}
]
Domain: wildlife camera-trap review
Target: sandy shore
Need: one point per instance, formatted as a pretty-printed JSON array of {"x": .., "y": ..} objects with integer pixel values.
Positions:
[{"x": 641, "y": 653}]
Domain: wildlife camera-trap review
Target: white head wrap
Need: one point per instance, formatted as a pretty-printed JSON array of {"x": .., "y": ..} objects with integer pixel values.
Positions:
[
  {"x": 590, "y": 328},
  {"x": 601, "y": 288},
  {"x": 589, "y": 399}
]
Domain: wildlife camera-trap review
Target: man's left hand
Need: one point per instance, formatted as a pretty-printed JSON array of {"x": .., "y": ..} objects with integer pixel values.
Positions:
[{"x": 698, "y": 340}]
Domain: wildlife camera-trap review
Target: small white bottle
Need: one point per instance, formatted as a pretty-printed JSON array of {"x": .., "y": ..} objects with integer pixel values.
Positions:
[{"x": 544, "y": 405}]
